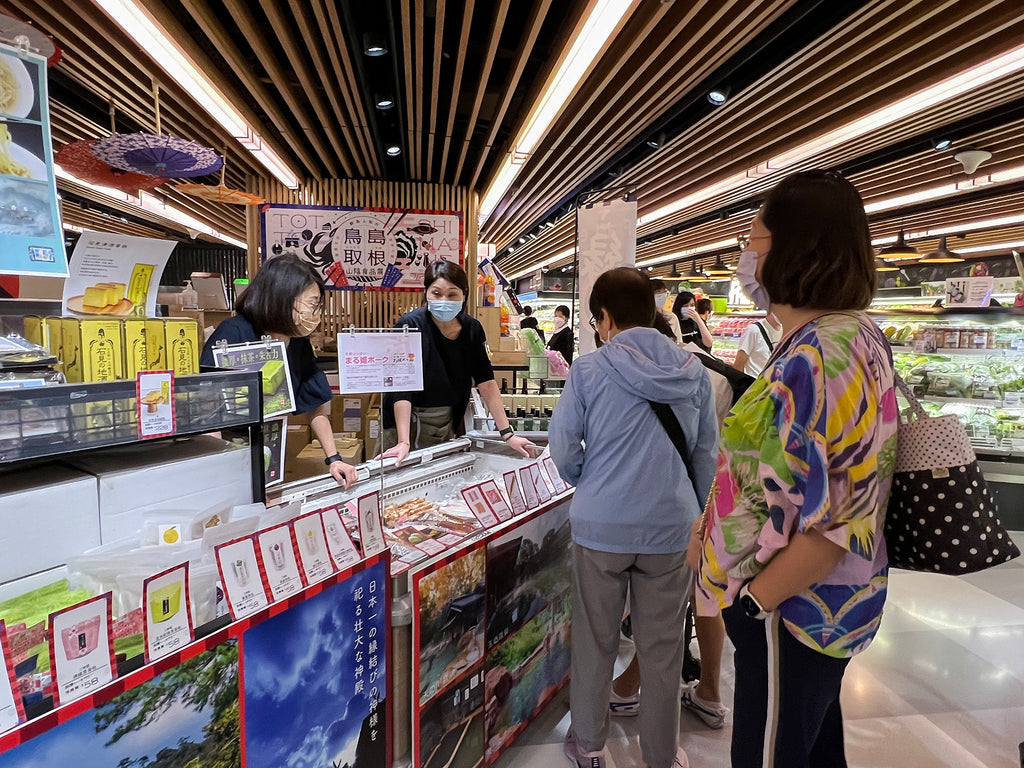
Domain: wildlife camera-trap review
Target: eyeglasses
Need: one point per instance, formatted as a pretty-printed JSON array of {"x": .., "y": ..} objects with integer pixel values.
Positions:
[
  {"x": 308, "y": 311},
  {"x": 746, "y": 241},
  {"x": 593, "y": 323}
]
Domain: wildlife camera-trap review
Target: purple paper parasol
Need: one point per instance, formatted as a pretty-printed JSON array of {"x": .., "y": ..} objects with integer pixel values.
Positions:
[{"x": 157, "y": 155}]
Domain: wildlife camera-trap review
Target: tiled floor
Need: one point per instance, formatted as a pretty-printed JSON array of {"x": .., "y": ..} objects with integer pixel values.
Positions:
[{"x": 942, "y": 685}]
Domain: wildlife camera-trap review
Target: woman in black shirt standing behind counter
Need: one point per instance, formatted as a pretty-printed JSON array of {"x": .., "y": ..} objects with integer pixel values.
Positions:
[
  {"x": 454, "y": 356},
  {"x": 562, "y": 339}
]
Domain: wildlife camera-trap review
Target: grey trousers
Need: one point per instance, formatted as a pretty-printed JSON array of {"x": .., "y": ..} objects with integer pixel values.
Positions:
[{"x": 657, "y": 587}]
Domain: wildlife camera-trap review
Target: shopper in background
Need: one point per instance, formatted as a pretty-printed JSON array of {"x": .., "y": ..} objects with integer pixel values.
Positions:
[
  {"x": 691, "y": 326},
  {"x": 454, "y": 357},
  {"x": 285, "y": 300},
  {"x": 756, "y": 345},
  {"x": 660, "y": 297},
  {"x": 529, "y": 321},
  {"x": 631, "y": 512},
  {"x": 793, "y": 553},
  {"x": 562, "y": 339},
  {"x": 705, "y": 308}
]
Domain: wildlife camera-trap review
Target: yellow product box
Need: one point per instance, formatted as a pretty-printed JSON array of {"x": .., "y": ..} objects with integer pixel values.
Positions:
[
  {"x": 181, "y": 344},
  {"x": 156, "y": 354},
  {"x": 52, "y": 336},
  {"x": 136, "y": 347},
  {"x": 71, "y": 349},
  {"x": 102, "y": 350},
  {"x": 35, "y": 330}
]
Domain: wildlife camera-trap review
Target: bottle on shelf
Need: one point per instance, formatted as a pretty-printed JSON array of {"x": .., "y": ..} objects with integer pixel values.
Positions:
[
  {"x": 524, "y": 392},
  {"x": 543, "y": 388},
  {"x": 504, "y": 386}
]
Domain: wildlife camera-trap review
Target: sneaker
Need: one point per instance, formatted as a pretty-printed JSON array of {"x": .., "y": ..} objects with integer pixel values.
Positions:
[
  {"x": 579, "y": 758},
  {"x": 681, "y": 761},
  {"x": 711, "y": 712},
  {"x": 624, "y": 706}
]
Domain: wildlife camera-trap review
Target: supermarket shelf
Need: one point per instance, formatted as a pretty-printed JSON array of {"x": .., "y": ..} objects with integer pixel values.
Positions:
[
  {"x": 908, "y": 350},
  {"x": 969, "y": 401},
  {"x": 993, "y": 313},
  {"x": 50, "y": 421}
]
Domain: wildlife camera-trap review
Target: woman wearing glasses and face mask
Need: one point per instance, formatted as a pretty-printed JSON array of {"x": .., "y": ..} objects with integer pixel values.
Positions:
[
  {"x": 454, "y": 357},
  {"x": 285, "y": 301}
]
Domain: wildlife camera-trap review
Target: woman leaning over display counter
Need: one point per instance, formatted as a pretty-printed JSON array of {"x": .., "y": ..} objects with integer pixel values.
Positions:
[{"x": 454, "y": 357}]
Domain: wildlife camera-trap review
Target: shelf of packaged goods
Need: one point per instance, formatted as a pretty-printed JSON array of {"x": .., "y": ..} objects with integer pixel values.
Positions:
[
  {"x": 49, "y": 421},
  {"x": 970, "y": 401},
  {"x": 994, "y": 313},
  {"x": 955, "y": 351}
]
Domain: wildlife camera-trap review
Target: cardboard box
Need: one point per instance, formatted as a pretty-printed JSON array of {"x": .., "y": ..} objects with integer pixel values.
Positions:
[
  {"x": 47, "y": 514},
  {"x": 508, "y": 344},
  {"x": 351, "y": 449},
  {"x": 156, "y": 355},
  {"x": 136, "y": 347},
  {"x": 71, "y": 349},
  {"x": 297, "y": 439},
  {"x": 490, "y": 319},
  {"x": 181, "y": 345},
  {"x": 371, "y": 430},
  {"x": 347, "y": 412}
]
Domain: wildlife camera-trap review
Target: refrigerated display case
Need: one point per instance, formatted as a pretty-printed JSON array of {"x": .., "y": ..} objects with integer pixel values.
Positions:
[
  {"x": 727, "y": 330},
  {"x": 465, "y": 595},
  {"x": 970, "y": 362}
]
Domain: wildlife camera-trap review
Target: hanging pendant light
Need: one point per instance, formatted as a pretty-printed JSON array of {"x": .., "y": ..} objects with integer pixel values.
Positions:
[
  {"x": 696, "y": 276},
  {"x": 881, "y": 265},
  {"x": 674, "y": 274},
  {"x": 942, "y": 255},
  {"x": 719, "y": 269},
  {"x": 900, "y": 251}
]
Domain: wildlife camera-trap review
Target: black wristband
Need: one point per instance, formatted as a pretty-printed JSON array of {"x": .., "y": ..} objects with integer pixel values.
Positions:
[
  {"x": 331, "y": 459},
  {"x": 506, "y": 433}
]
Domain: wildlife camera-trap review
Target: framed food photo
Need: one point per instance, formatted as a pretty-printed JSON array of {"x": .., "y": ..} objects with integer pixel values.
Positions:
[{"x": 270, "y": 360}]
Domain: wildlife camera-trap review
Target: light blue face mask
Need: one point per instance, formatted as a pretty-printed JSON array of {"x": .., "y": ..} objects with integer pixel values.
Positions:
[{"x": 443, "y": 311}]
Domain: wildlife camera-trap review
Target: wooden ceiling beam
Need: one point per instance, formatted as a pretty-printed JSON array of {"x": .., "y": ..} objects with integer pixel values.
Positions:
[
  {"x": 460, "y": 61},
  {"x": 497, "y": 23},
  {"x": 409, "y": 43},
  {"x": 432, "y": 132},
  {"x": 422, "y": 135}
]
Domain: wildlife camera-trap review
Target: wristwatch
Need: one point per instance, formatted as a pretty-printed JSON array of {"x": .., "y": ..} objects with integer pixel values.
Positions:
[
  {"x": 749, "y": 604},
  {"x": 506, "y": 433},
  {"x": 331, "y": 459}
]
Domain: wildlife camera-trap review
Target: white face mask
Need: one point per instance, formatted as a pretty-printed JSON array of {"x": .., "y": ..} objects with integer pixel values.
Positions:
[
  {"x": 659, "y": 300},
  {"x": 559, "y": 322},
  {"x": 746, "y": 273}
]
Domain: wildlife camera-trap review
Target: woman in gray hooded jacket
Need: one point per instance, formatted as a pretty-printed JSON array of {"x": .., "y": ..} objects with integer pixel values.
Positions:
[{"x": 631, "y": 512}]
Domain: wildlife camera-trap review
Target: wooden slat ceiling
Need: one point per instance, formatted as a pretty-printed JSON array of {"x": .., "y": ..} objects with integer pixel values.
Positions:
[
  {"x": 464, "y": 75},
  {"x": 887, "y": 51}
]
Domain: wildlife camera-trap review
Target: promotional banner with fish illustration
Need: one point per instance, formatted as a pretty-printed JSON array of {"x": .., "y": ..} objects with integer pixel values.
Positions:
[
  {"x": 115, "y": 275},
  {"x": 364, "y": 249},
  {"x": 31, "y": 238}
]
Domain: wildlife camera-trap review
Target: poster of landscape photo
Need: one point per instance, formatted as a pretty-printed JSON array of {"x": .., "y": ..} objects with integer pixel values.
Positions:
[
  {"x": 527, "y": 567},
  {"x": 451, "y": 728}
]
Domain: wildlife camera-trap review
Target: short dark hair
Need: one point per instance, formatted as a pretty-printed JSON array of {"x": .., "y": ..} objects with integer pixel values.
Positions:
[
  {"x": 442, "y": 269},
  {"x": 269, "y": 299},
  {"x": 626, "y": 295},
  {"x": 658, "y": 285},
  {"x": 661, "y": 326},
  {"x": 821, "y": 255},
  {"x": 527, "y": 310},
  {"x": 562, "y": 309},
  {"x": 704, "y": 306}
]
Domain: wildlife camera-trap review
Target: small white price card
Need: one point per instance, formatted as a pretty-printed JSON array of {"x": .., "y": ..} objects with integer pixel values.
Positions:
[
  {"x": 168, "y": 624},
  {"x": 477, "y": 503},
  {"x": 387, "y": 361},
  {"x": 11, "y": 710},
  {"x": 371, "y": 526},
  {"x": 543, "y": 491},
  {"x": 154, "y": 392},
  {"x": 529, "y": 491},
  {"x": 312, "y": 546},
  {"x": 241, "y": 577},
  {"x": 515, "y": 494},
  {"x": 498, "y": 504},
  {"x": 279, "y": 563},
  {"x": 343, "y": 550},
  {"x": 81, "y": 649},
  {"x": 548, "y": 464}
]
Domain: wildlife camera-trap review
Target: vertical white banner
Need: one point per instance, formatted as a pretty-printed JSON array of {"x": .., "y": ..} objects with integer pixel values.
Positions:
[{"x": 607, "y": 239}]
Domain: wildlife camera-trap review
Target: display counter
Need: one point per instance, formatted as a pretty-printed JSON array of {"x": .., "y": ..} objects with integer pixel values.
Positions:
[{"x": 480, "y": 611}]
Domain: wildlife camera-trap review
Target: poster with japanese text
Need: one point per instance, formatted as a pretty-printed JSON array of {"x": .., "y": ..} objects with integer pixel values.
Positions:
[
  {"x": 370, "y": 362},
  {"x": 364, "y": 248},
  {"x": 316, "y": 678},
  {"x": 31, "y": 239},
  {"x": 115, "y": 275},
  {"x": 270, "y": 360}
]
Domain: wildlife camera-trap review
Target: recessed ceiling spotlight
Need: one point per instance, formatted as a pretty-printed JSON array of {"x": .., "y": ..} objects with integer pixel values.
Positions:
[
  {"x": 522, "y": 239},
  {"x": 719, "y": 96},
  {"x": 394, "y": 150},
  {"x": 373, "y": 45},
  {"x": 942, "y": 143},
  {"x": 384, "y": 102}
]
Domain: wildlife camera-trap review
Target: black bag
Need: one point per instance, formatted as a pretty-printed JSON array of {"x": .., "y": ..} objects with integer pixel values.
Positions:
[
  {"x": 738, "y": 380},
  {"x": 941, "y": 517}
]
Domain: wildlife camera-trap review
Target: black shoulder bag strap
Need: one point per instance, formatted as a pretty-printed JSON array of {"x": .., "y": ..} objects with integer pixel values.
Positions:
[
  {"x": 668, "y": 420},
  {"x": 764, "y": 335}
]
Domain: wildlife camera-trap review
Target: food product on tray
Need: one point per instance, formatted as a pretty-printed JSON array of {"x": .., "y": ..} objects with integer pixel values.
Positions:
[{"x": 406, "y": 511}]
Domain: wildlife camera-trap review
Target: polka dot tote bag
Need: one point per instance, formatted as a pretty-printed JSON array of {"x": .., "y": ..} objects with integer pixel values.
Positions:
[{"x": 941, "y": 517}]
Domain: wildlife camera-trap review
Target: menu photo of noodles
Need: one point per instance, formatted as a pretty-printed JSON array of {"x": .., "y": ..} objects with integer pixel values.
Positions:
[
  {"x": 22, "y": 152},
  {"x": 18, "y": 77}
]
